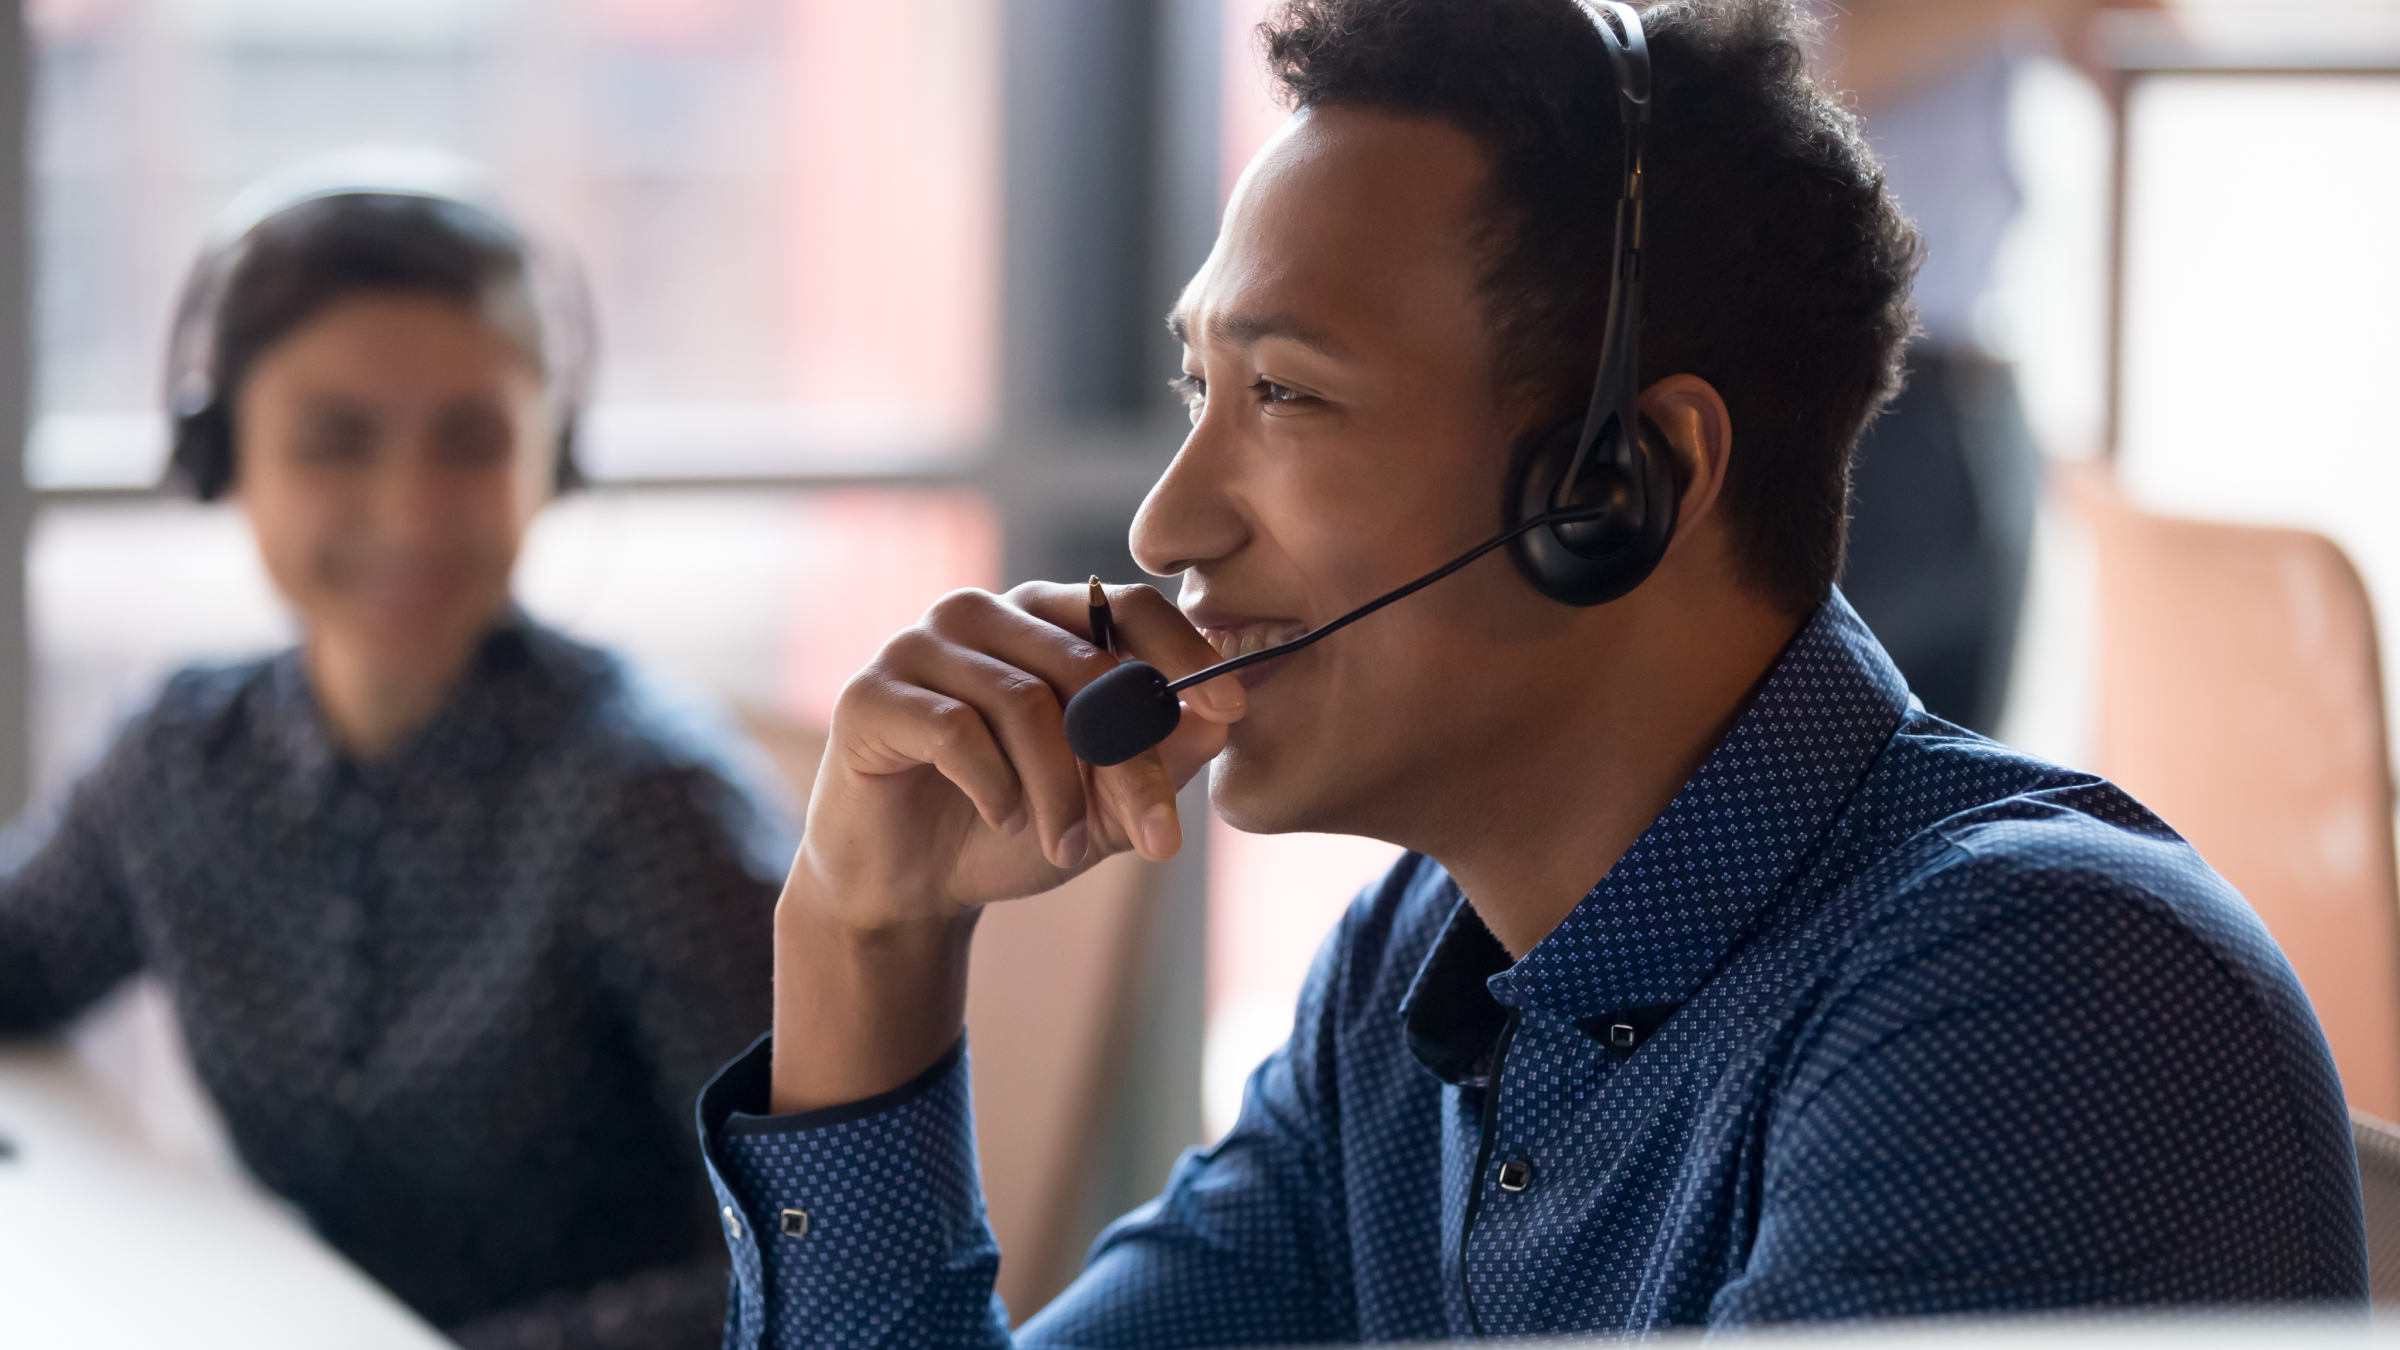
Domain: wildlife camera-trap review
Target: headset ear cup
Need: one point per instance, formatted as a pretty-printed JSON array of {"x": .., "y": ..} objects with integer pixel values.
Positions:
[
  {"x": 569, "y": 475},
  {"x": 202, "y": 456},
  {"x": 1591, "y": 563}
]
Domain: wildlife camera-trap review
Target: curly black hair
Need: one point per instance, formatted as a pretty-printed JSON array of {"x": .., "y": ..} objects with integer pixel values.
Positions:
[{"x": 1776, "y": 266}]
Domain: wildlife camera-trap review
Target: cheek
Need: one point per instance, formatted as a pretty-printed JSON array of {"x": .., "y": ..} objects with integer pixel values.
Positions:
[
  {"x": 1333, "y": 521},
  {"x": 300, "y": 526},
  {"x": 532, "y": 471},
  {"x": 485, "y": 508},
  {"x": 488, "y": 504},
  {"x": 1359, "y": 534},
  {"x": 533, "y": 474}
]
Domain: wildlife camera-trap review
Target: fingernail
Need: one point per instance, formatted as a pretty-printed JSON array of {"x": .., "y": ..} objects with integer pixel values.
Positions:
[
  {"x": 1015, "y": 824},
  {"x": 1073, "y": 844},
  {"x": 1226, "y": 696},
  {"x": 1159, "y": 830}
]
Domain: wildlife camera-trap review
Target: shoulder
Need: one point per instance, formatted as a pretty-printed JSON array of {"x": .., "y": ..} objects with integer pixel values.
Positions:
[
  {"x": 2058, "y": 923},
  {"x": 663, "y": 743},
  {"x": 2028, "y": 839},
  {"x": 630, "y": 715},
  {"x": 201, "y": 706},
  {"x": 2046, "y": 995}
]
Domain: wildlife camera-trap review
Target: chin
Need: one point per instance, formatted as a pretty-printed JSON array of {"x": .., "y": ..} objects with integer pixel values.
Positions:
[
  {"x": 418, "y": 630},
  {"x": 1282, "y": 793}
]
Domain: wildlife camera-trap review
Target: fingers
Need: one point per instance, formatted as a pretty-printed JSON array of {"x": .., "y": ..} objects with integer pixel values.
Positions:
[
  {"x": 1138, "y": 798},
  {"x": 1040, "y": 642},
  {"x": 1134, "y": 802},
  {"x": 978, "y": 689},
  {"x": 888, "y": 726},
  {"x": 977, "y": 716}
]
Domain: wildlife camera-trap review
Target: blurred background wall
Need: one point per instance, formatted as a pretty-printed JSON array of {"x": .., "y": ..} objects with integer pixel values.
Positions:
[{"x": 880, "y": 286}]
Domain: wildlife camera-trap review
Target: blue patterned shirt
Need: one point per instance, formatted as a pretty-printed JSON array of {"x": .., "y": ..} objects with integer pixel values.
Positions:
[
  {"x": 1879, "y": 1018},
  {"x": 453, "y": 1004}
]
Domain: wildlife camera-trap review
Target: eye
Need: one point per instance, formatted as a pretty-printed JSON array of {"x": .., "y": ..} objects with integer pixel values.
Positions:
[
  {"x": 336, "y": 436},
  {"x": 1193, "y": 391},
  {"x": 1280, "y": 395},
  {"x": 473, "y": 436}
]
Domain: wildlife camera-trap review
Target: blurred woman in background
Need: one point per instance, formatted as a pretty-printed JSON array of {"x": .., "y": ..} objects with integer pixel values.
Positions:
[{"x": 440, "y": 888}]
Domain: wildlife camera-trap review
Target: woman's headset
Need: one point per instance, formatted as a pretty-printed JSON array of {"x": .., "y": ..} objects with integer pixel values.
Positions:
[{"x": 203, "y": 435}]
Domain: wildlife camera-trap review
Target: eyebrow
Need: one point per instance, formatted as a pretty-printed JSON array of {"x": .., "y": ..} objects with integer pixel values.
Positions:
[{"x": 1244, "y": 330}]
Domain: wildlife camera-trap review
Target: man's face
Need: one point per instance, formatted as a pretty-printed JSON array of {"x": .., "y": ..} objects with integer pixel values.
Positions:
[{"x": 1347, "y": 438}]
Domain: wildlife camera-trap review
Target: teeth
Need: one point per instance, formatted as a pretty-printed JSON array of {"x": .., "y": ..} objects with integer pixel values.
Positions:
[{"x": 1233, "y": 642}]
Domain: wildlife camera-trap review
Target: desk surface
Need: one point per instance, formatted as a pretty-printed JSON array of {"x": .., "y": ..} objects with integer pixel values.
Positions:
[{"x": 105, "y": 1243}]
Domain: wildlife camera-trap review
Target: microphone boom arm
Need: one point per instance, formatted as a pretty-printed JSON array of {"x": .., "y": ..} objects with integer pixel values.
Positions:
[{"x": 1287, "y": 648}]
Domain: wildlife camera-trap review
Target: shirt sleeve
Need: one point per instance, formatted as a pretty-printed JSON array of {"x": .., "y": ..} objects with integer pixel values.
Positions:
[
  {"x": 855, "y": 1225},
  {"x": 864, "y": 1224},
  {"x": 682, "y": 928},
  {"x": 682, "y": 923},
  {"x": 67, "y": 933},
  {"x": 1999, "y": 1114}
]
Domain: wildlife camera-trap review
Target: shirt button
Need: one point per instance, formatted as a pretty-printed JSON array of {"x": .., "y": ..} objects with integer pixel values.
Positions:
[
  {"x": 733, "y": 1224},
  {"x": 795, "y": 1223},
  {"x": 1515, "y": 1175}
]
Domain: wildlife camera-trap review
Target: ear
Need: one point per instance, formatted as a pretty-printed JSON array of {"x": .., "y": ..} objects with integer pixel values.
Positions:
[{"x": 1699, "y": 435}]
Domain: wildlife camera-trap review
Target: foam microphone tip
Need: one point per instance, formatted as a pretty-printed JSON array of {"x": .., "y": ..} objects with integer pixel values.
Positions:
[{"x": 1121, "y": 714}]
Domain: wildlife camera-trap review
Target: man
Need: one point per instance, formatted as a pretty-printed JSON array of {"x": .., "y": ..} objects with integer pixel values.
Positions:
[{"x": 1721, "y": 985}]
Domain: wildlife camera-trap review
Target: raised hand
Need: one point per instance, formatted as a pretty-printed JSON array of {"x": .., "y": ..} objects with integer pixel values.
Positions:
[{"x": 947, "y": 784}]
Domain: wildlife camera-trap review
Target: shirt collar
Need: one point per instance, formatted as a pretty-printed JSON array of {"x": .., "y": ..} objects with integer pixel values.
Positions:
[
  {"x": 1666, "y": 915},
  {"x": 486, "y": 704},
  {"x": 295, "y": 727},
  {"x": 1670, "y": 911}
]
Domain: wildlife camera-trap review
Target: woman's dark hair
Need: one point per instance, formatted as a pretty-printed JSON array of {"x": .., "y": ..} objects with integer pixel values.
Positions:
[
  {"x": 1775, "y": 265},
  {"x": 299, "y": 261}
]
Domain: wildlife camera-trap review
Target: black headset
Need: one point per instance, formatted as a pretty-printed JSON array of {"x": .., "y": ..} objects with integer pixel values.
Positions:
[
  {"x": 201, "y": 454},
  {"x": 1611, "y": 461},
  {"x": 1590, "y": 504}
]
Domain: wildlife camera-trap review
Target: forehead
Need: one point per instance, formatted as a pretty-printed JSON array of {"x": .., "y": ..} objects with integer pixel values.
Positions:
[
  {"x": 1354, "y": 225},
  {"x": 398, "y": 335}
]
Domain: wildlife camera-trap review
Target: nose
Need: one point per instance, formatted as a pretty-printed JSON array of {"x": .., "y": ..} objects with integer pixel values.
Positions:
[
  {"x": 1193, "y": 515},
  {"x": 411, "y": 504}
]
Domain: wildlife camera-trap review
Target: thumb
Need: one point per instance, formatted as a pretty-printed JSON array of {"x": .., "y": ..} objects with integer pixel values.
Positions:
[{"x": 1139, "y": 795}]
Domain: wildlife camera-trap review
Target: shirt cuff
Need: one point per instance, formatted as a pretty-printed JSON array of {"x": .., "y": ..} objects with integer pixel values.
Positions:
[{"x": 817, "y": 1208}]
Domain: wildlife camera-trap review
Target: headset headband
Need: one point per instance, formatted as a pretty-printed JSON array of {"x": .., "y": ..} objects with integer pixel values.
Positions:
[
  {"x": 1616, "y": 386},
  {"x": 555, "y": 287}
]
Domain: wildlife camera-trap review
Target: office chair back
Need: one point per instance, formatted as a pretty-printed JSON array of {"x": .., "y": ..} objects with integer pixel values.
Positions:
[
  {"x": 2242, "y": 700},
  {"x": 2379, "y": 1180}
]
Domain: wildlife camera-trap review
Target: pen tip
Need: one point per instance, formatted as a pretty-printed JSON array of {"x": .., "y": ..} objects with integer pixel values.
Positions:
[{"x": 1099, "y": 596}]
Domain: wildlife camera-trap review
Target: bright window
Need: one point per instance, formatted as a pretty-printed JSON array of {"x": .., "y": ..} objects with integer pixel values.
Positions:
[
  {"x": 786, "y": 208},
  {"x": 2260, "y": 345}
]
